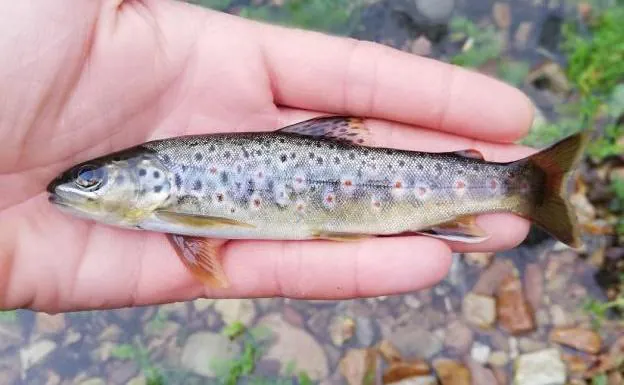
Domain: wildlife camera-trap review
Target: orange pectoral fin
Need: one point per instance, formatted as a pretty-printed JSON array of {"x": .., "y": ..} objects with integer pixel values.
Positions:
[{"x": 202, "y": 257}]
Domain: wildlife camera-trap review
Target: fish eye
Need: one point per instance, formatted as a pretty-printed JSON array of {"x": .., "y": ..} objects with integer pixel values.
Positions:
[{"x": 89, "y": 177}]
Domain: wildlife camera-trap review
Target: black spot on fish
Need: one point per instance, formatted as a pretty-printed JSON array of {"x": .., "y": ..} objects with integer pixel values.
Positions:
[
  {"x": 319, "y": 160},
  {"x": 331, "y": 146},
  {"x": 184, "y": 167},
  {"x": 245, "y": 154},
  {"x": 293, "y": 155},
  {"x": 401, "y": 163},
  {"x": 119, "y": 179},
  {"x": 239, "y": 169},
  {"x": 227, "y": 155},
  {"x": 351, "y": 156},
  {"x": 232, "y": 210},
  {"x": 211, "y": 148},
  {"x": 258, "y": 152},
  {"x": 282, "y": 140},
  {"x": 420, "y": 166},
  {"x": 460, "y": 172},
  {"x": 156, "y": 174},
  {"x": 337, "y": 160},
  {"x": 389, "y": 167},
  {"x": 197, "y": 185},
  {"x": 178, "y": 180},
  {"x": 166, "y": 158},
  {"x": 311, "y": 155},
  {"x": 283, "y": 158},
  {"x": 198, "y": 156},
  {"x": 318, "y": 144},
  {"x": 157, "y": 189},
  {"x": 438, "y": 166},
  {"x": 224, "y": 177},
  {"x": 142, "y": 172}
]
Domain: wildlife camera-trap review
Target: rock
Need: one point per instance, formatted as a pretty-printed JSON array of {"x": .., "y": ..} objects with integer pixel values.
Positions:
[
  {"x": 93, "y": 381},
  {"x": 414, "y": 342},
  {"x": 480, "y": 353},
  {"x": 341, "y": 329},
  {"x": 388, "y": 352},
  {"x": 458, "y": 337},
  {"x": 49, "y": 324},
  {"x": 232, "y": 310},
  {"x": 120, "y": 372},
  {"x": 501, "y": 375},
  {"x": 479, "y": 310},
  {"x": 35, "y": 353},
  {"x": 423, "y": 380},
  {"x": 10, "y": 369},
  {"x": 498, "y": 358},
  {"x": 287, "y": 347},
  {"x": 203, "y": 304},
  {"x": 523, "y": 32},
  {"x": 403, "y": 370},
  {"x": 534, "y": 285},
  {"x": 412, "y": 301},
  {"x": 544, "y": 367},
  {"x": 358, "y": 365},
  {"x": 501, "y": 13},
  {"x": 514, "y": 350},
  {"x": 138, "y": 380},
  {"x": 110, "y": 333},
  {"x": 421, "y": 46},
  {"x": 513, "y": 311},
  {"x": 452, "y": 372},
  {"x": 292, "y": 316},
  {"x": 479, "y": 373},
  {"x": 580, "y": 339},
  {"x": 528, "y": 345},
  {"x": 364, "y": 330},
  {"x": 575, "y": 364},
  {"x": 436, "y": 11},
  {"x": 492, "y": 277},
  {"x": 479, "y": 259},
  {"x": 542, "y": 318},
  {"x": 204, "y": 350},
  {"x": 558, "y": 316}
]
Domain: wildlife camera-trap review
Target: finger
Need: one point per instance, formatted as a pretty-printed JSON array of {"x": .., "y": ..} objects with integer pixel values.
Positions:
[
  {"x": 317, "y": 269},
  {"x": 314, "y": 71}
]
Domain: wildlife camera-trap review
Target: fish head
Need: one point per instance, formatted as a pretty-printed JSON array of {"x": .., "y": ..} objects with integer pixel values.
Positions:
[{"x": 119, "y": 189}]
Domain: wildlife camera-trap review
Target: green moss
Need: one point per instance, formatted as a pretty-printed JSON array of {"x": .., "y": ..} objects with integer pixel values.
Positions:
[{"x": 8, "y": 316}]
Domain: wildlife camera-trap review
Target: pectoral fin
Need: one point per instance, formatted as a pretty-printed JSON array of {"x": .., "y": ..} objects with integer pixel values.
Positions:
[
  {"x": 464, "y": 229},
  {"x": 202, "y": 257},
  {"x": 198, "y": 220}
]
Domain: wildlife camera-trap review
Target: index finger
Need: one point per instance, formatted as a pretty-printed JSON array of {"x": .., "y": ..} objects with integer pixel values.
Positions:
[{"x": 314, "y": 71}]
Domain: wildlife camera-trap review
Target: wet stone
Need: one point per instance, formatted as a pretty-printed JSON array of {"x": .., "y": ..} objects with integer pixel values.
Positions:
[
  {"x": 364, "y": 331},
  {"x": 513, "y": 311},
  {"x": 479, "y": 310},
  {"x": 458, "y": 337},
  {"x": 479, "y": 373},
  {"x": 452, "y": 372},
  {"x": 544, "y": 367},
  {"x": 501, "y": 12},
  {"x": 233, "y": 310},
  {"x": 492, "y": 277},
  {"x": 580, "y": 339},
  {"x": 203, "y": 350},
  {"x": 436, "y": 11},
  {"x": 122, "y": 372},
  {"x": 415, "y": 342},
  {"x": 47, "y": 324},
  {"x": 480, "y": 353},
  {"x": 534, "y": 285},
  {"x": 341, "y": 329},
  {"x": 35, "y": 353}
]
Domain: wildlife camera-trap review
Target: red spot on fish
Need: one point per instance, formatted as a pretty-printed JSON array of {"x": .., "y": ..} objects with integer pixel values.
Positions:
[
  {"x": 256, "y": 202},
  {"x": 422, "y": 191},
  {"x": 329, "y": 199},
  {"x": 398, "y": 184},
  {"x": 220, "y": 197},
  {"x": 348, "y": 183},
  {"x": 460, "y": 185},
  {"x": 213, "y": 170}
]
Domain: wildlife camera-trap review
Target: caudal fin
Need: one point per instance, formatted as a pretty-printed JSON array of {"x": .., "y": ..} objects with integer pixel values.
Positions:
[{"x": 553, "y": 211}]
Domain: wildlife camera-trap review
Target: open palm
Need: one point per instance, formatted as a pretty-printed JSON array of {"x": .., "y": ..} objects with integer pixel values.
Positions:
[{"x": 79, "y": 79}]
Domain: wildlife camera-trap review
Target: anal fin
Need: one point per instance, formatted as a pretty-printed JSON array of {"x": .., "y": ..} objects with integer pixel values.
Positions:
[
  {"x": 202, "y": 257},
  {"x": 463, "y": 229},
  {"x": 341, "y": 237}
]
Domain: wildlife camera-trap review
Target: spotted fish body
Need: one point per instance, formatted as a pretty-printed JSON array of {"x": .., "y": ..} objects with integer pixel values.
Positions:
[{"x": 320, "y": 179}]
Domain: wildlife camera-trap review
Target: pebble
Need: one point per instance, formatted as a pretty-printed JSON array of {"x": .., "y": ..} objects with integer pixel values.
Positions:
[
  {"x": 364, "y": 331},
  {"x": 204, "y": 349},
  {"x": 514, "y": 351},
  {"x": 50, "y": 323},
  {"x": 492, "y": 277},
  {"x": 501, "y": 13},
  {"x": 405, "y": 370},
  {"x": 436, "y": 11},
  {"x": 287, "y": 347},
  {"x": 421, "y": 46},
  {"x": 534, "y": 285},
  {"x": 412, "y": 341},
  {"x": 458, "y": 337},
  {"x": 512, "y": 310},
  {"x": 236, "y": 310},
  {"x": 479, "y": 373},
  {"x": 412, "y": 301},
  {"x": 388, "y": 351},
  {"x": 356, "y": 365},
  {"x": 35, "y": 353},
  {"x": 341, "y": 329},
  {"x": 523, "y": 32},
  {"x": 498, "y": 358},
  {"x": 480, "y": 352},
  {"x": 528, "y": 345},
  {"x": 479, "y": 310},
  {"x": 544, "y": 367},
  {"x": 479, "y": 259},
  {"x": 452, "y": 372},
  {"x": 558, "y": 316},
  {"x": 203, "y": 304},
  {"x": 585, "y": 340}
]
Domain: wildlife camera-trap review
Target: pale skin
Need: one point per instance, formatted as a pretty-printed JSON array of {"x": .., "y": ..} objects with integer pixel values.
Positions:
[{"x": 80, "y": 79}]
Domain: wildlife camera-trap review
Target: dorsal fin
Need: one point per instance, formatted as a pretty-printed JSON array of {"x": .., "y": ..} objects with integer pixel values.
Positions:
[{"x": 341, "y": 128}]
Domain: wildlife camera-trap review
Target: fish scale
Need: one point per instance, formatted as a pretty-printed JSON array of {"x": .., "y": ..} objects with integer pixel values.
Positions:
[{"x": 317, "y": 179}]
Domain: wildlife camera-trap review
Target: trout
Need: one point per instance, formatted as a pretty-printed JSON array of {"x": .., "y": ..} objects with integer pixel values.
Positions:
[{"x": 317, "y": 179}]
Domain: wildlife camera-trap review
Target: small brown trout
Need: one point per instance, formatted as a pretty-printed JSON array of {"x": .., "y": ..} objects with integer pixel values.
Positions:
[{"x": 317, "y": 179}]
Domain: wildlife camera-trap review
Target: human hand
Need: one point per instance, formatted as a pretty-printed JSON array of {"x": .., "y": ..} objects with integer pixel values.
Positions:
[{"x": 82, "y": 79}]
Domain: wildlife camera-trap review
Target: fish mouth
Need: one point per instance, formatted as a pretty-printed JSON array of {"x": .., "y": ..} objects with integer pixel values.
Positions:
[{"x": 57, "y": 200}]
